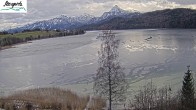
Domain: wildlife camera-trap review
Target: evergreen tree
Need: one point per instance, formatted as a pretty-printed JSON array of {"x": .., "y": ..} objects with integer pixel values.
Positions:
[{"x": 188, "y": 91}]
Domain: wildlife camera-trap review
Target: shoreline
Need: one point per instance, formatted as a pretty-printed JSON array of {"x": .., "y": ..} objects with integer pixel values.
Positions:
[
  {"x": 13, "y": 46},
  {"x": 29, "y": 41}
]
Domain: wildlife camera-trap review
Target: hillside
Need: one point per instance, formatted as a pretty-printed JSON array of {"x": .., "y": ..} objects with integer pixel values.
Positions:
[{"x": 168, "y": 18}]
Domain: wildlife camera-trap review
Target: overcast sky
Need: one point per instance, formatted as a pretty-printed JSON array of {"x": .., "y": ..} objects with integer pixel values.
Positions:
[{"x": 46, "y": 9}]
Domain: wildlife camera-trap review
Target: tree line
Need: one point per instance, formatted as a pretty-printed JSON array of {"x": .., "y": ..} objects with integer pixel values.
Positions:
[{"x": 8, "y": 39}]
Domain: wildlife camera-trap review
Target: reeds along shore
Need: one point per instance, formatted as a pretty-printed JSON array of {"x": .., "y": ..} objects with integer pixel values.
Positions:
[{"x": 50, "y": 98}]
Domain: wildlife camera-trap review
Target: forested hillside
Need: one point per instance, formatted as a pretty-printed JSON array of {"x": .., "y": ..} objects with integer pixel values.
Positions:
[{"x": 169, "y": 18}]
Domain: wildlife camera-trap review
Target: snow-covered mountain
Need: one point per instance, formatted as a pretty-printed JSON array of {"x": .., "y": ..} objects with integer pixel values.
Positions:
[
  {"x": 114, "y": 12},
  {"x": 65, "y": 22},
  {"x": 61, "y": 22}
]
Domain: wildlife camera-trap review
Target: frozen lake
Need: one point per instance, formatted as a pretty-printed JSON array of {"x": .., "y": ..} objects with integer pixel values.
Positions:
[{"x": 161, "y": 55}]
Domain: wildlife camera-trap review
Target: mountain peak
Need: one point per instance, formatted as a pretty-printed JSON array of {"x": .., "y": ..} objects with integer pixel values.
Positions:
[{"x": 116, "y": 8}]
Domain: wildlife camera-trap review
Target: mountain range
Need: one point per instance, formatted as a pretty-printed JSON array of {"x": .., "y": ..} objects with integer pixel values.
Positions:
[
  {"x": 64, "y": 22},
  {"x": 168, "y": 18},
  {"x": 118, "y": 18}
]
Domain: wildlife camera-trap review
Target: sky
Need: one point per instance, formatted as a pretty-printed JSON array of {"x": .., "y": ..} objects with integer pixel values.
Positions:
[{"x": 45, "y": 9}]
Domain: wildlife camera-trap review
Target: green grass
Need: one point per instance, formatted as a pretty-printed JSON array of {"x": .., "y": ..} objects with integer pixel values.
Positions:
[
  {"x": 11, "y": 39},
  {"x": 33, "y": 34}
]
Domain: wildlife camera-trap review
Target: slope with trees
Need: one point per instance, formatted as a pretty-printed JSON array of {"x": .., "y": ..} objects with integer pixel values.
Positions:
[{"x": 168, "y": 18}]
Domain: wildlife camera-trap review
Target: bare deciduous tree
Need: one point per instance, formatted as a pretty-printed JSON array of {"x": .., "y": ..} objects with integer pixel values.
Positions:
[
  {"x": 110, "y": 79},
  {"x": 151, "y": 98}
]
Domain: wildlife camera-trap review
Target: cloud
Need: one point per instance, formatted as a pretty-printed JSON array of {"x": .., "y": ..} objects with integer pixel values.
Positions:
[
  {"x": 42, "y": 9},
  {"x": 4, "y": 26},
  {"x": 184, "y": 2}
]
